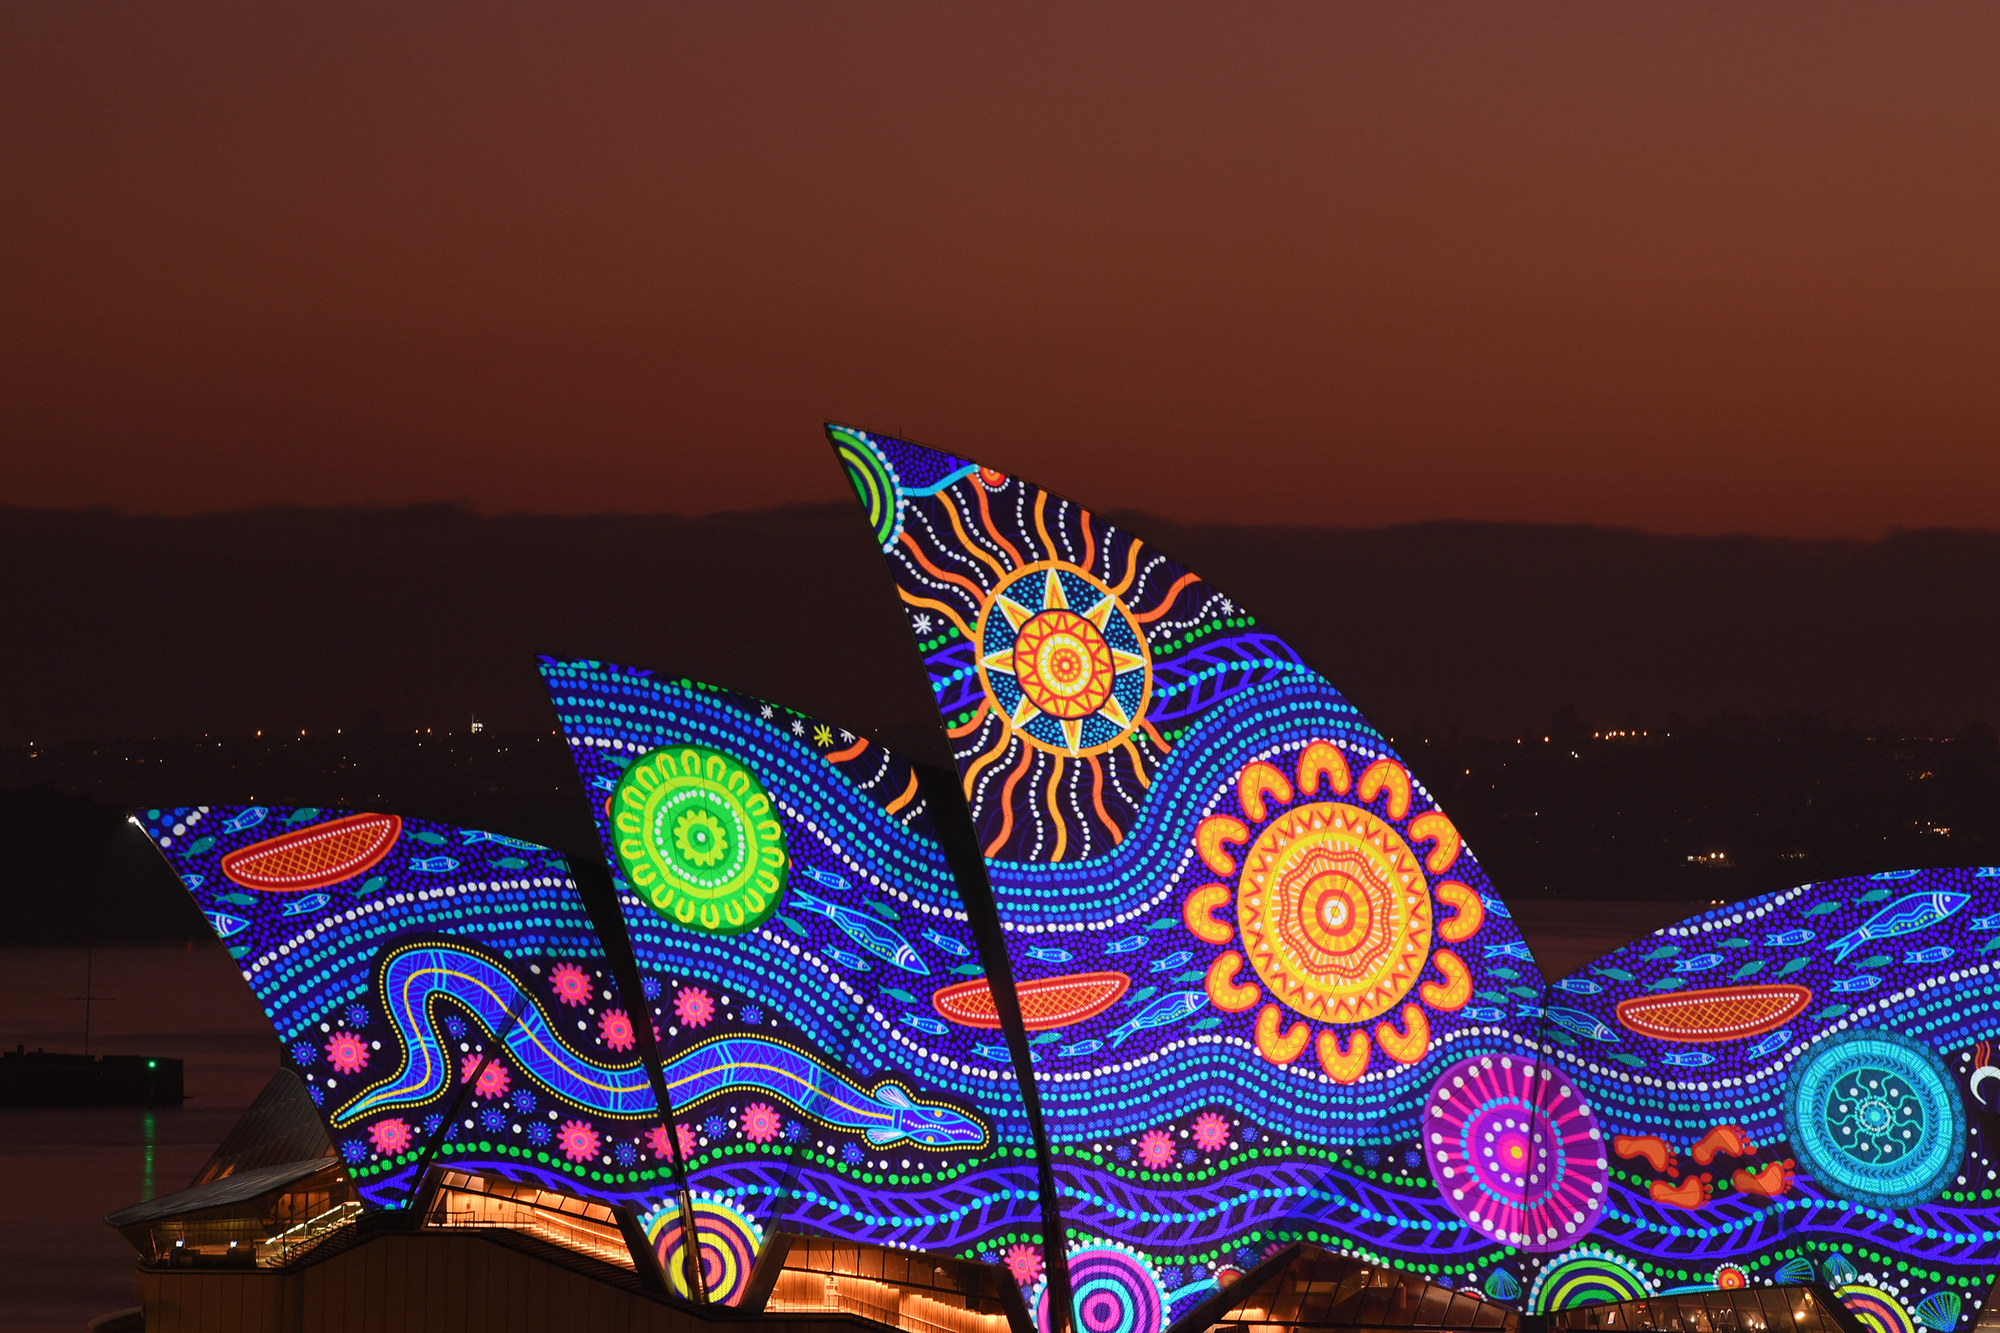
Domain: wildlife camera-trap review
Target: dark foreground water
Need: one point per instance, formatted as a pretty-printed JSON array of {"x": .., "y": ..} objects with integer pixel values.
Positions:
[{"x": 61, "y": 1171}]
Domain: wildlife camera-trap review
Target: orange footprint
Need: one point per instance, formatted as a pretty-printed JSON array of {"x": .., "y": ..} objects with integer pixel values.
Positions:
[
  {"x": 1649, "y": 1146},
  {"x": 1690, "y": 1193},
  {"x": 1724, "y": 1140},
  {"x": 1769, "y": 1181}
]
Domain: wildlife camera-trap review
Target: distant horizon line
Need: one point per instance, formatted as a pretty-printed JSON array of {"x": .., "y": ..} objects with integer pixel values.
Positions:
[{"x": 1126, "y": 517}]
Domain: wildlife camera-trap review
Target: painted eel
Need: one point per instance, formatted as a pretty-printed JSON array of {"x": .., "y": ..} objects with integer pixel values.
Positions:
[{"x": 414, "y": 975}]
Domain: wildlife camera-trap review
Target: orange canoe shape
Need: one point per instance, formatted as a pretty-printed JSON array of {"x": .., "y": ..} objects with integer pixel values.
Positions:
[
  {"x": 315, "y": 856},
  {"x": 1727, "y": 1013},
  {"x": 1046, "y": 1002}
]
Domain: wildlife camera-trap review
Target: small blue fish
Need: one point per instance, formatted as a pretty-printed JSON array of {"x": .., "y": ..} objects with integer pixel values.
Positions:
[
  {"x": 925, "y": 1023},
  {"x": 1615, "y": 973},
  {"x": 192, "y": 880},
  {"x": 1875, "y": 896},
  {"x": 309, "y": 904},
  {"x": 434, "y": 865},
  {"x": 1514, "y": 949},
  {"x": 1588, "y": 1026},
  {"x": 878, "y": 938},
  {"x": 1785, "y": 939},
  {"x": 826, "y": 879},
  {"x": 604, "y": 784},
  {"x": 1770, "y": 1044},
  {"x": 477, "y": 835},
  {"x": 1699, "y": 962},
  {"x": 1905, "y": 916},
  {"x": 1688, "y": 1059},
  {"x": 1668, "y": 983},
  {"x": 1987, "y": 872},
  {"x": 1169, "y": 1008},
  {"x": 1042, "y": 954},
  {"x": 197, "y": 847},
  {"x": 511, "y": 863},
  {"x": 848, "y": 959},
  {"x": 225, "y": 924},
  {"x": 1794, "y": 966},
  {"x": 1080, "y": 1048},
  {"x": 1664, "y": 951},
  {"x": 1170, "y": 962},
  {"x": 948, "y": 944},
  {"x": 1749, "y": 969},
  {"x": 1890, "y": 876},
  {"x": 1855, "y": 985},
  {"x": 1529, "y": 1009},
  {"x": 1988, "y": 922},
  {"x": 1832, "y": 905},
  {"x": 1126, "y": 945},
  {"x": 1484, "y": 1013},
  {"x": 1579, "y": 986},
  {"x": 246, "y": 819},
  {"x": 987, "y": 1051},
  {"x": 1494, "y": 907},
  {"x": 369, "y": 885},
  {"x": 237, "y": 899},
  {"x": 1936, "y": 953}
]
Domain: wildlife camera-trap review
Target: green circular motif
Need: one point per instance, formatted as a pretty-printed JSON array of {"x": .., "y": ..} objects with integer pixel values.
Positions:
[
  {"x": 698, "y": 839},
  {"x": 874, "y": 480}
]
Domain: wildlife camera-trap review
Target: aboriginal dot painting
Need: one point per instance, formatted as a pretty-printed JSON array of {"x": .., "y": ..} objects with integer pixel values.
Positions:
[
  {"x": 437, "y": 989},
  {"x": 795, "y": 924},
  {"x": 1285, "y": 1003},
  {"x": 1273, "y": 996}
]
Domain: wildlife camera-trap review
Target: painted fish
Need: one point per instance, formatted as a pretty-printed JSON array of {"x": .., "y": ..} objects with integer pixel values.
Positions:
[
  {"x": 309, "y": 904},
  {"x": 1831, "y": 905},
  {"x": 1578, "y": 986},
  {"x": 1528, "y": 1009},
  {"x": 1770, "y": 1044},
  {"x": 246, "y": 819},
  {"x": 1484, "y": 1013},
  {"x": 848, "y": 959},
  {"x": 1855, "y": 985},
  {"x": 1080, "y": 1048},
  {"x": 1615, "y": 973},
  {"x": 1989, "y": 922},
  {"x": 434, "y": 865},
  {"x": 225, "y": 924},
  {"x": 1749, "y": 969},
  {"x": 1171, "y": 961},
  {"x": 1699, "y": 962},
  {"x": 1494, "y": 907},
  {"x": 948, "y": 944},
  {"x": 1126, "y": 945},
  {"x": 237, "y": 899},
  {"x": 511, "y": 863},
  {"x": 604, "y": 784},
  {"x": 1664, "y": 951},
  {"x": 197, "y": 847},
  {"x": 826, "y": 879},
  {"x": 478, "y": 835},
  {"x": 878, "y": 938},
  {"x": 369, "y": 885},
  {"x": 1905, "y": 916},
  {"x": 925, "y": 1023},
  {"x": 1514, "y": 949},
  {"x": 1785, "y": 939},
  {"x": 192, "y": 880},
  {"x": 303, "y": 814},
  {"x": 1936, "y": 953},
  {"x": 1987, "y": 872},
  {"x": 1169, "y": 1008},
  {"x": 990, "y": 1052},
  {"x": 1587, "y": 1026},
  {"x": 1794, "y": 966},
  {"x": 1875, "y": 896},
  {"x": 1688, "y": 1059},
  {"x": 1889, "y": 876},
  {"x": 1042, "y": 954},
  {"x": 425, "y": 835}
]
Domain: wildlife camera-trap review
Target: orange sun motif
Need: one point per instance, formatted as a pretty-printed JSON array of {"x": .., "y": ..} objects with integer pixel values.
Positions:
[{"x": 1333, "y": 912}]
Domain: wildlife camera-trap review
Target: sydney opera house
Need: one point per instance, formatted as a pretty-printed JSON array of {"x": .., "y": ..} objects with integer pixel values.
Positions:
[{"x": 1180, "y": 1005}]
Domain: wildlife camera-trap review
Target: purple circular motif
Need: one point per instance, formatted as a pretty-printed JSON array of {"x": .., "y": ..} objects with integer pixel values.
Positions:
[
  {"x": 1115, "y": 1292},
  {"x": 1516, "y": 1152}
]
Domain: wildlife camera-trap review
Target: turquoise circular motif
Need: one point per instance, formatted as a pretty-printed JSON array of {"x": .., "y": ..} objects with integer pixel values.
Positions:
[{"x": 1875, "y": 1119}]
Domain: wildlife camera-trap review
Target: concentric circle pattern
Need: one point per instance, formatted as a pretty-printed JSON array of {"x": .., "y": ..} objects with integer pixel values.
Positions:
[
  {"x": 1876, "y": 1118},
  {"x": 1061, "y": 658},
  {"x": 1585, "y": 1276},
  {"x": 729, "y": 1244},
  {"x": 1515, "y": 1151},
  {"x": 697, "y": 838},
  {"x": 1115, "y": 1292},
  {"x": 1334, "y": 912}
]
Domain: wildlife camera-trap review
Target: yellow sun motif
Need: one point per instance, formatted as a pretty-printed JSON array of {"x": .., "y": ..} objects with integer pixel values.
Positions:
[{"x": 1063, "y": 660}]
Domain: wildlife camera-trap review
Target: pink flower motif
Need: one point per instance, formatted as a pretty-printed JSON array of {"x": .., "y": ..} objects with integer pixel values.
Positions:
[
  {"x": 390, "y": 1136},
  {"x": 1024, "y": 1262},
  {"x": 617, "y": 1029},
  {"x": 694, "y": 1007},
  {"x": 493, "y": 1079},
  {"x": 1155, "y": 1149},
  {"x": 577, "y": 1140},
  {"x": 760, "y": 1124},
  {"x": 656, "y": 1139},
  {"x": 347, "y": 1052},
  {"x": 1211, "y": 1131},
  {"x": 572, "y": 983},
  {"x": 688, "y": 1140}
]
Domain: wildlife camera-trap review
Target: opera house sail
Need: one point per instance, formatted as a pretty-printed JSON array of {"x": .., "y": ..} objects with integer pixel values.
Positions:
[{"x": 1292, "y": 1007}]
